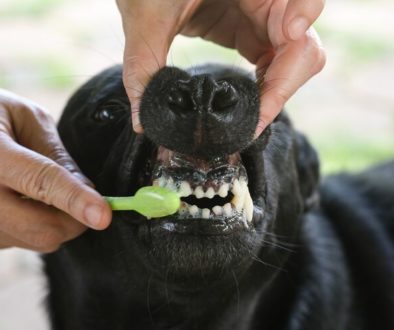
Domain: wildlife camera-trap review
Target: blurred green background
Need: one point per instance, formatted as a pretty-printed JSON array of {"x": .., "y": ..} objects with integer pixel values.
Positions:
[{"x": 49, "y": 47}]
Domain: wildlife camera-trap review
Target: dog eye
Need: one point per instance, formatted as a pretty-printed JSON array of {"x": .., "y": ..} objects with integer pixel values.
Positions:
[
  {"x": 103, "y": 115},
  {"x": 109, "y": 110}
]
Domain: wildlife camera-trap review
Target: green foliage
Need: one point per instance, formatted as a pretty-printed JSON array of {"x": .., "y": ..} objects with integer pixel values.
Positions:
[
  {"x": 4, "y": 81},
  {"x": 356, "y": 47},
  {"x": 54, "y": 72},
  {"x": 27, "y": 8},
  {"x": 351, "y": 154}
]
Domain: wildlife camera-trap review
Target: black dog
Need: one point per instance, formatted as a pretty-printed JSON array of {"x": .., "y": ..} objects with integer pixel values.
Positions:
[{"x": 257, "y": 244}]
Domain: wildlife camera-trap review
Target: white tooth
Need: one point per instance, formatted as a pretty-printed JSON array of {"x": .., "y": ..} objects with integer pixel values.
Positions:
[
  {"x": 223, "y": 190},
  {"x": 199, "y": 192},
  {"x": 218, "y": 210},
  {"x": 155, "y": 182},
  {"x": 236, "y": 187},
  {"x": 184, "y": 189},
  {"x": 244, "y": 184},
  {"x": 193, "y": 210},
  {"x": 248, "y": 206},
  {"x": 238, "y": 201},
  {"x": 205, "y": 213},
  {"x": 210, "y": 193},
  {"x": 227, "y": 209}
]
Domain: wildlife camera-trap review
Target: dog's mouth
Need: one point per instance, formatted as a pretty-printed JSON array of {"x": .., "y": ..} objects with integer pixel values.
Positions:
[{"x": 214, "y": 190}]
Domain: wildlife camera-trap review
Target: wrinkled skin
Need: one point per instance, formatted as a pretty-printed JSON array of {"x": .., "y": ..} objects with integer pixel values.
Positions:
[{"x": 280, "y": 266}]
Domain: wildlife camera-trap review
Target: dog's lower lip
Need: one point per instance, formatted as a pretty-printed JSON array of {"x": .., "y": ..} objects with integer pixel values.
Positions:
[{"x": 198, "y": 227}]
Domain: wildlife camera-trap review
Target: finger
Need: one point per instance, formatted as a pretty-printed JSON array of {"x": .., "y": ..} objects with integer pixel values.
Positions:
[
  {"x": 294, "y": 63},
  {"x": 38, "y": 177},
  {"x": 34, "y": 225},
  {"x": 299, "y": 16},
  {"x": 145, "y": 53},
  {"x": 147, "y": 45}
]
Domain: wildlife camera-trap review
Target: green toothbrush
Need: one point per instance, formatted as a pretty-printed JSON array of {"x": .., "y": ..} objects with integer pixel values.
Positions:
[{"x": 150, "y": 201}]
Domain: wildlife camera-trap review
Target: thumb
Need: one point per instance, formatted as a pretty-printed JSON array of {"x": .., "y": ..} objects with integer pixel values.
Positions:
[{"x": 38, "y": 166}]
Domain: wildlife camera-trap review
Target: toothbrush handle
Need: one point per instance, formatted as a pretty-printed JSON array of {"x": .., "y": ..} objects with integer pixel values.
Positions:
[{"x": 121, "y": 203}]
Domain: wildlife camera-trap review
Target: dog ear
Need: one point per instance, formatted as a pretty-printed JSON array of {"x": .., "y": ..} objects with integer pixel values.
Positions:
[{"x": 307, "y": 162}]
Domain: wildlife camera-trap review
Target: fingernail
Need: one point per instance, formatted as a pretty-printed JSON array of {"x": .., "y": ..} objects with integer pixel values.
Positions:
[
  {"x": 93, "y": 215},
  {"x": 297, "y": 28}
]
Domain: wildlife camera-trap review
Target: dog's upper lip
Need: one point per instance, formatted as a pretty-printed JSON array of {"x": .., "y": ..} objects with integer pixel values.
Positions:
[{"x": 171, "y": 158}]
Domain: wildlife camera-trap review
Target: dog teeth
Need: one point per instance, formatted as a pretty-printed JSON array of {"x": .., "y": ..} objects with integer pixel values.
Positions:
[
  {"x": 210, "y": 193},
  {"x": 237, "y": 190},
  {"x": 184, "y": 189},
  {"x": 217, "y": 210},
  {"x": 223, "y": 190},
  {"x": 227, "y": 209},
  {"x": 241, "y": 202},
  {"x": 193, "y": 210},
  {"x": 238, "y": 202},
  {"x": 205, "y": 213},
  {"x": 248, "y": 206},
  {"x": 199, "y": 192}
]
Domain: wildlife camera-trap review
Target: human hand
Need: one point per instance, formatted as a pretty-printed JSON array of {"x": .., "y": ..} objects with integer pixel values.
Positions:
[
  {"x": 275, "y": 35},
  {"x": 34, "y": 163}
]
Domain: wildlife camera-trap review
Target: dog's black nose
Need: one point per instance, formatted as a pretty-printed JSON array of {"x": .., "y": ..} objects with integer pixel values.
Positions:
[
  {"x": 203, "y": 115},
  {"x": 204, "y": 95}
]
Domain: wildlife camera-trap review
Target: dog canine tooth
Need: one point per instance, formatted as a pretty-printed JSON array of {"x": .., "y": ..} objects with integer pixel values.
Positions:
[
  {"x": 223, "y": 190},
  {"x": 227, "y": 209},
  {"x": 199, "y": 192},
  {"x": 217, "y": 210},
  {"x": 184, "y": 189},
  {"x": 238, "y": 201},
  {"x": 248, "y": 206},
  {"x": 236, "y": 190},
  {"x": 205, "y": 213},
  {"x": 210, "y": 193}
]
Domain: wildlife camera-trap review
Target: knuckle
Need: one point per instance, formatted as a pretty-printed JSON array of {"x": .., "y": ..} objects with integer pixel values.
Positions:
[
  {"x": 39, "y": 184},
  {"x": 41, "y": 115},
  {"x": 59, "y": 155}
]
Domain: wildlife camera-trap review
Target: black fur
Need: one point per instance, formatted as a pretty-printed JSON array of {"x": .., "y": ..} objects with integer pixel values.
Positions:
[{"x": 314, "y": 257}]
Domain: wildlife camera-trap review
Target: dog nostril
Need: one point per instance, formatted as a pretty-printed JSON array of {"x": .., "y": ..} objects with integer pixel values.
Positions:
[{"x": 225, "y": 97}]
